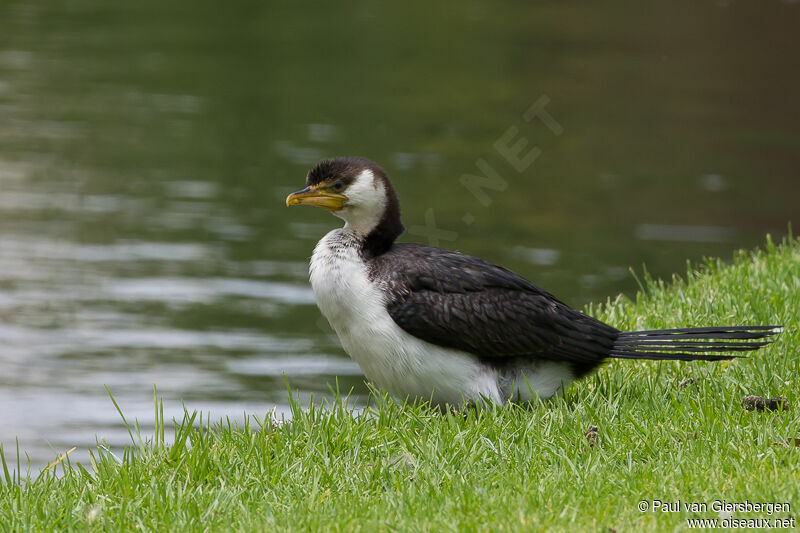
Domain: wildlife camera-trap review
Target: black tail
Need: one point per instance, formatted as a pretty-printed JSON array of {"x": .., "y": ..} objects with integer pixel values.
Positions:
[{"x": 692, "y": 344}]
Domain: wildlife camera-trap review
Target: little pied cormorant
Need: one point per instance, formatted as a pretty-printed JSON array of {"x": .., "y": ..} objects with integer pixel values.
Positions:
[{"x": 423, "y": 322}]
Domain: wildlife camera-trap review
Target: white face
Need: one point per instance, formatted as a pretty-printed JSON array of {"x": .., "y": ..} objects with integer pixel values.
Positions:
[{"x": 366, "y": 201}]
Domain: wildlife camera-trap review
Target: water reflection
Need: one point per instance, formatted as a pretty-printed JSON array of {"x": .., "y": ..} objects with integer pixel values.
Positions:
[
  {"x": 145, "y": 152},
  {"x": 685, "y": 233}
]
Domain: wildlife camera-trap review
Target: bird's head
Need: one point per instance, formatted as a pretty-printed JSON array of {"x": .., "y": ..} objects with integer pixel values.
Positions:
[{"x": 358, "y": 191}]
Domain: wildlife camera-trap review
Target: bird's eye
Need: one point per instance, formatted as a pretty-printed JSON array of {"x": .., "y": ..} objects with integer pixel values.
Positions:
[{"x": 338, "y": 186}]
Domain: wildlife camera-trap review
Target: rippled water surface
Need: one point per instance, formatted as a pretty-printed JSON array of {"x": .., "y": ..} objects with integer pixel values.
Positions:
[{"x": 146, "y": 149}]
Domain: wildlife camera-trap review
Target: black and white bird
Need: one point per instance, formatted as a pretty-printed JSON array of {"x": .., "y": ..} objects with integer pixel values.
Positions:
[{"x": 423, "y": 322}]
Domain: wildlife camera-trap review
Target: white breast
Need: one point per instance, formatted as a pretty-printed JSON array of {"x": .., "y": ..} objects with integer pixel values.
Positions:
[
  {"x": 399, "y": 362},
  {"x": 395, "y": 360}
]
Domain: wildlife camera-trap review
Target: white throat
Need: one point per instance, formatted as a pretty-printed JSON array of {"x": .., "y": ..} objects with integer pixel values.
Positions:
[{"x": 365, "y": 205}]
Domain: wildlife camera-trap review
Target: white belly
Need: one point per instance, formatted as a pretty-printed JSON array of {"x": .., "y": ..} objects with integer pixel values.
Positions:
[{"x": 397, "y": 361}]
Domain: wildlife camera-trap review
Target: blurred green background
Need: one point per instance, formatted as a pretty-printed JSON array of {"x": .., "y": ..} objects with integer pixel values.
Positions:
[{"x": 146, "y": 149}]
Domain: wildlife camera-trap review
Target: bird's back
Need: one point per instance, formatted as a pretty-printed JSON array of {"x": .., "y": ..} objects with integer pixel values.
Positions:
[{"x": 466, "y": 303}]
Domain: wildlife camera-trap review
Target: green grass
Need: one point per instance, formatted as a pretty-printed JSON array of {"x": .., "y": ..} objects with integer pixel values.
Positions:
[{"x": 668, "y": 431}]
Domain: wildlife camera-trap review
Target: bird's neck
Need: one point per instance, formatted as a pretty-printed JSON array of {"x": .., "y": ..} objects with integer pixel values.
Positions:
[{"x": 379, "y": 237}]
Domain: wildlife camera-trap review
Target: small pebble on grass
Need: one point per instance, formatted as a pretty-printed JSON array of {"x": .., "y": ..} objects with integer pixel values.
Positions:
[
  {"x": 759, "y": 403},
  {"x": 593, "y": 436}
]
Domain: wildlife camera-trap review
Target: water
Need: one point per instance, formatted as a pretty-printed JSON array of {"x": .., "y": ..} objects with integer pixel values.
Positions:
[{"x": 146, "y": 150}]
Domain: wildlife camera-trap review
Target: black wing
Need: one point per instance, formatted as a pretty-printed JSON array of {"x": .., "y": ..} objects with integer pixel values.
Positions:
[{"x": 462, "y": 302}]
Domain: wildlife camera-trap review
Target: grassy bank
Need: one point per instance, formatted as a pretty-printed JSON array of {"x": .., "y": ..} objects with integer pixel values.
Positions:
[{"x": 665, "y": 431}]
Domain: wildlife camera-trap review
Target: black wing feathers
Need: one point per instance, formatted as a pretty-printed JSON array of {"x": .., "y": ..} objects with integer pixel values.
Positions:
[{"x": 462, "y": 302}]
